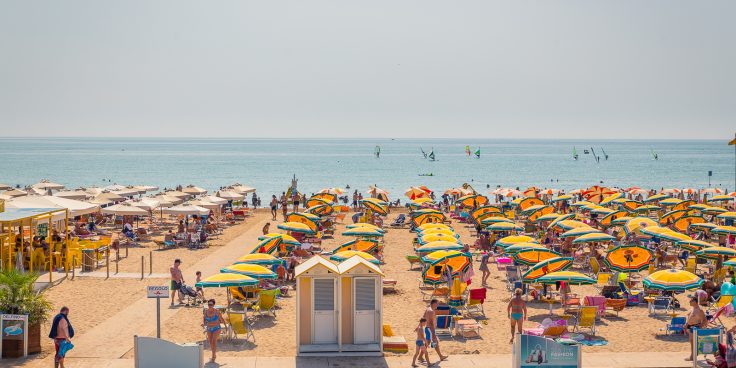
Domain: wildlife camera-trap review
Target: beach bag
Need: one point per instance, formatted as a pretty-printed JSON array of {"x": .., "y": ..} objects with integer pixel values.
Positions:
[{"x": 730, "y": 351}]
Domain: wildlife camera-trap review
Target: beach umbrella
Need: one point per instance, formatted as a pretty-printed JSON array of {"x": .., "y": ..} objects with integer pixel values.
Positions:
[
  {"x": 546, "y": 267},
  {"x": 724, "y": 230},
  {"x": 106, "y": 198},
  {"x": 670, "y": 201},
  {"x": 252, "y": 270},
  {"x": 637, "y": 223},
  {"x": 731, "y": 262},
  {"x": 215, "y": 199},
  {"x": 242, "y": 189},
  {"x": 336, "y": 191},
  {"x": 570, "y": 277},
  {"x": 457, "y": 261},
  {"x": 628, "y": 258},
  {"x": 601, "y": 210},
  {"x": 721, "y": 198},
  {"x": 705, "y": 226},
  {"x": 518, "y": 247},
  {"x": 713, "y": 210},
  {"x": 262, "y": 259},
  {"x": 361, "y": 245},
  {"x": 560, "y": 218},
  {"x": 439, "y": 245},
  {"x": 375, "y": 207},
  {"x": 230, "y": 195},
  {"x": 194, "y": 190},
  {"x": 363, "y": 231},
  {"x": 514, "y": 239},
  {"x": 672, "y": 280},
  {"x": 504, "y": 226},
  {"x": 711, "y": 191},
  {"x": 579, "y": 231},
  {"x": 683, "y": 205},
  {"x": 204, "y": 204},
  {"x": 698, "y": 206},
  {"x": 593, "y": 238},
  {"x": 647, "y": 208},
  {"x": 656, "y": 197},
  {"x": 532, "y": 256},
  {"x": 715, "y": 252},
  {"x": 473, "y": 200},
  {"x": 568, "y": 224},
  {"x": 693, "y": 245},
  {"x": 433, "y": 226},
  {"x": 529, "y": 202},
  {"x": 425, "y": 211},
  {"x": 308, "y": 219},
  {"x": 47, "y": 185},
  {"x": 683, "y": 223},
  {"x": 538, "y": 212},
  {"x": 485, "y": 209},
  {"x": 286, "y": 238},
  {"x": 494, "y": 220},
  {"x": 665, "y": 233},
  {"x": 168, "y": 201},
  {"x": 548, "y": 217},
  {"x": 428, "y": 218},
  {"x": 296, "y": 227},
  {"x": 560, "y": 198},
  {"x": 346, "y": 254},
  {"x": 671, "y": 216},
  {"x": 611, "y": 198},
  {"x": 124, "y": 210},
  {"x": 364, "y": 225},
  {"x": 270, "y": 244},
  {"x": 72, "y": 194},
  {"x": 313, "y": 202},
  {"x": 321, "y": 210},
  {"x": 727, "y": 216},
  {"x": 416, "y": 192},
  {"x": 437, "y": 230},
  {"x": 184, "y": 209},
  {"x": 621, "y": 220},
  {"x": 431, "y": 237},
  {"x": 12, "y": 193},
  {"x": 608, "y": 218},
  {"x": 227, "y": 280}
]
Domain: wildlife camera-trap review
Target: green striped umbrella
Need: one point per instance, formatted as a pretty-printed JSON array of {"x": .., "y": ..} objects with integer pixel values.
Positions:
[
  {"x": 518, "y": 247},
  {"x": 227, "y": 280},
  {"x": 495, "y": 220},
  {"x": 514, "y": 239},
  {"x": 362, "y": 231},
  {"x": 579, "y": 231},
  {"x": 505, "y": 226},
  {"x": 570, "y": 277},
  {"x": 724, "y": 230},
  {"x": 548, "y": 217},
  {"x": 593, "y": 238},
  {"x": 546, "y": 267},
  {"x": 532, "y": 256},
  {"x": 693, "y": 245},
  {"x": 715, "y": 252},
  {"x": 251, "y": 270},
  {"x": 727, "y": 215},
  {"x": 672, "y": 280}
]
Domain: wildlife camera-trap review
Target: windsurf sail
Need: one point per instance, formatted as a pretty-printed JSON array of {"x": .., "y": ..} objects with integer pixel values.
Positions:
[
  {"x": 605, "y": 155},
  {"x": 574, "y": 153},
  {"x": 477, "y": 153},
  {"x": 431, "y": 155},
  {"x": 654, "y": 155},
  {"x": 377, "y": 151},
  {"x": 596, "y": 158},
  {"x": 423, "y": 153},
  {"x": 467, "y": 150}
]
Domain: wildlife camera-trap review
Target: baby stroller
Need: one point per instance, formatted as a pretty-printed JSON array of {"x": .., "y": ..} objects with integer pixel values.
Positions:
[{"x": 193, "y": 298}]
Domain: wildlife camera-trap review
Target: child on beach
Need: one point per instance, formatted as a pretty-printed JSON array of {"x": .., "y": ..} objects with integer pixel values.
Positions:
[
  {"x": 424, "y": 335},
  {"x": 200, "y": 291}
]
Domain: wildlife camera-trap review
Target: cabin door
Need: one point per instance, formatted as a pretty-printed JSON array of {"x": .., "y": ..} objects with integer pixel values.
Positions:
[
  {"x": 325, "y": 316},
  {"x": 365, "y": 329}
]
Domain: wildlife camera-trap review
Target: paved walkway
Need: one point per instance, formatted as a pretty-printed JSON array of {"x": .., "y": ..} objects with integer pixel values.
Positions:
[
  {"x": 592, "y": 360},
  {"x": 124, "y": 275}
]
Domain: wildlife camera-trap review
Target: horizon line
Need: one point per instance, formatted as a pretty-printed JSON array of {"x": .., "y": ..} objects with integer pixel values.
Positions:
[{"x": 364, "y": 138}]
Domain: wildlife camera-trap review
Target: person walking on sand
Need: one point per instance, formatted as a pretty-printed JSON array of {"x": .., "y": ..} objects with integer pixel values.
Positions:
[
  {"x": 176, "y": 280},
  {"x": 516, "y": 312},
  {"x": 274, "y": 207},
  {"x": 484, "y": 268},
  {"x": 423, "y": 337},
  {"x": 62, "y": 333},
  {"x": 212, "y": 319},
  {"x": 284, "y": 205},
  {"x": 429, "y": 316}
]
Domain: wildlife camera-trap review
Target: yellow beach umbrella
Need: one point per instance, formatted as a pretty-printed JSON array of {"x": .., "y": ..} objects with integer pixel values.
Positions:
[
  {"x": 262, "y": 259},
  {"x": 610, "y": 198},
  {"x": 546, "y": 267},
  {"x": 693, "y": 245},
  {"x": 432, "y": 237},
  {"x": 637, "y": 223},
  {"x": 227, "y": 280},
  {"x": 327, "y": 197},
  {"x": 532, "y": 256},
  {"x": 253, "y": 270},
  {"x": 504, "y": 226},
  {"x": 296, "y": 227},
  {"x": 683, "y": 223},
  {"x": 528, "y": 202},
  {"x": 672, "y": 280},
  {"x": 317, "y": 201},
  {"x": 608, "y": 218},
  {"x": 724, "y": 230},
  {"x": 579, "y": 231},
  {"x": 522, "y": 246},
  {"x": 715, "y": 252},
  {"x": 437, "y": 225},
  {"x": 514, "y": 239},
  {"x": 425, "y": 218},
  {"x": 456, "y": 260},
  {"x": 346, "y": 254},
  {"x": 569, "y": 224},
  {"x": 361, "y": 245},
  {"x": 439, "y": 245},
  {"x": 593, "y": 238}
]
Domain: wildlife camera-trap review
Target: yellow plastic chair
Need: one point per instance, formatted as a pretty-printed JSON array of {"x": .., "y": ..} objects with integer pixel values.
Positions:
[
  {"x": 266, "y": 302},
  {"x": 603, "y": 279},
  {"x": 691, "y": 264},
  {"x": 586, "y": 318},
  {"x": 239, "y": 326},
  {"x": 723, "y": 301},
  {"x": 594, "y": 265}
]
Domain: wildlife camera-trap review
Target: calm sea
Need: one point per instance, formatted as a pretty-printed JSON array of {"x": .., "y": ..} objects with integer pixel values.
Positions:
[{"x": 268, "y": 164}]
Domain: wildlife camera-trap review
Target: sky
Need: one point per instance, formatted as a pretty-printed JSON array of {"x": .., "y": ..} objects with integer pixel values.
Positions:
[{"x": 380, "y": 68}]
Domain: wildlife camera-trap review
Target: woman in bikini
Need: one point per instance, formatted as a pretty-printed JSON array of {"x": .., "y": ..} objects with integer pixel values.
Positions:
[
  {"x": 211, "y": 322},
  {"x": 517, "y": 312}
]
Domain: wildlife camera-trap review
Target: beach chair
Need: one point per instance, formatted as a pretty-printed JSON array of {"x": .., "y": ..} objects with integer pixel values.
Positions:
[
  {"x": 443, "y": 324},
  {"x": 393, "y": 343},
  {"x": 240, "y": 326},
  {"x": 660, "y": 303},
  {"x": 596, "y": 301},
  {"x": 602, "y": 279},
  {"x": 632, "y": 297},
  {"x": 413, "y": 260},
  {"x": 571, "y": 304},
  {"x": 586, "y": 319},
  {"x": 512, "y": 276},
  {"x": 266, "y": 302},
  {"x": 399, "y": 222},
  {"x": 615, "y": 305},
  {"x": 595, "y": 267},
  {"x": 389, "y": 285},
  {"x": 676, "y": 326},
  {"x": 476, "y": 298},
  {"x": 714, "y": 321},
  {"x": 691, "y": 265},
  {"x": 722, "y": 301}
]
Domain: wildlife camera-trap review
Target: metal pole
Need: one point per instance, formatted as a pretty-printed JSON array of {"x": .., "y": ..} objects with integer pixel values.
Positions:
[
  {"x": 51, "y": 255},
  {"x": 158, "y": 318},
  {"x": 117, "y": 260},
  {"x": 150, "y": 263},
  {"x": 74, "y": 266},
  {"x": 142, "y": 266},
  {"x": 107, "y": 261}
]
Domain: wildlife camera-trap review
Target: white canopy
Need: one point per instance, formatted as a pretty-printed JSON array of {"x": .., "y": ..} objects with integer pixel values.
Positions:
[
  {"x": 45, "y": 184},
  {"x": 146, "y": 203},
  {"x": 145, "y": 188},
  {"x": 124, "y": 209},
  {"x": 185, "y": 209},
  {"x": 76, "y": 208},
  {"x": 172, "y": 200},
  {"x": 73, "y": 194},
  {"x": 15, "y": 193},
  {"x": 127, "y": 192},
  {"x": 194, "y": 190},
  {"x": 176, "y": 193},
  {"x": 215, "y": 199},
  {"x": 5, "y": 186},
  {"x": 242, "y": 189},
  {"x": 204, "y": 203},
  {"x": 106, "y": 198},
  {"x": 230, "y": 195}
]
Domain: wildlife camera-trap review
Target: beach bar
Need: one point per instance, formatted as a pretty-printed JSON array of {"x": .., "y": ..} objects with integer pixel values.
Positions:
[{"x": 339, "y": 307}]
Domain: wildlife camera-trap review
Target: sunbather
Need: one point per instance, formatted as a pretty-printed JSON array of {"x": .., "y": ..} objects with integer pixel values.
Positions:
[{"x": 517, "y": 313}]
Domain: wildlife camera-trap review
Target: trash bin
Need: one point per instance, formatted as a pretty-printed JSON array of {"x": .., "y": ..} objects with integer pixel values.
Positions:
[{"x": 89, "y": 260}]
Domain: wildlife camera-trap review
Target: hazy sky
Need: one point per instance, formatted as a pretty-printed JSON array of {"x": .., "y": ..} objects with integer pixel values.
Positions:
[{"x": 307, "y": 68}]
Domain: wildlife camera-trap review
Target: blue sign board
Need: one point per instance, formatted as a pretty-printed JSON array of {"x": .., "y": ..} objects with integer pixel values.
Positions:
[{"x": 537, "y": 351}]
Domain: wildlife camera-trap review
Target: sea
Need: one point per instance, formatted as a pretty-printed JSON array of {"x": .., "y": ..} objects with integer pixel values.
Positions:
[{"x": 270, "y": 164}]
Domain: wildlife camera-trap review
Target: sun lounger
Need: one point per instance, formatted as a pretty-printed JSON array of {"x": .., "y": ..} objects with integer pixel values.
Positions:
[
  {"x": 389, "y": 285},
  {"x": 266, "y": 303},
  {"x": 596, "y": 301},
  {"x": 413, "y": 260},
  {"x": 239, "y": 326},
  {"x": 615, "y": 305},
  {"x": 676, "y": 325},
  {"x": 393, "y": 343},
  {"x": 660, "y": 303},
  {"x": 467, "y": 328},
  {"x": 586, "y": 319},
  {"x": 476, "y": 298}
]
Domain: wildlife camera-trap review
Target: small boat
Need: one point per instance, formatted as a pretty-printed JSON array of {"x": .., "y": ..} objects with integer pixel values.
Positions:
[
  {"x": 585, "y": 151},
  {"x": 429, "y": 174}
]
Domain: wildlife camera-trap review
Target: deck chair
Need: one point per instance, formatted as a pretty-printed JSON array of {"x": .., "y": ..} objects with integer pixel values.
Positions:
[
  {"x": 413, "y": 260},
  {"x": 632, "y": 297},
  {"x": 571, "y": 304},
  {"x": 476, "y": 298},
  {"x": 266, "y": 302},
  {"x": 393, "y": 343},
  {"x": 240, "y": 326},
  {"x": 443, "y": 324},
  {"x": 400, "y": 221},
  {"x": 676, "y": 325},
  {"x": 586, "y": 319},
  {"x": 691, "y": 265},
  {"x": 714, "y": 321},
  {"x": 615, "y": 305},
  {"x": 512, "y": 276},
  {"x": 602, "y": 280},
  {"x": 660, "y": 303},
  {"x": 722, "y": 301}
]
